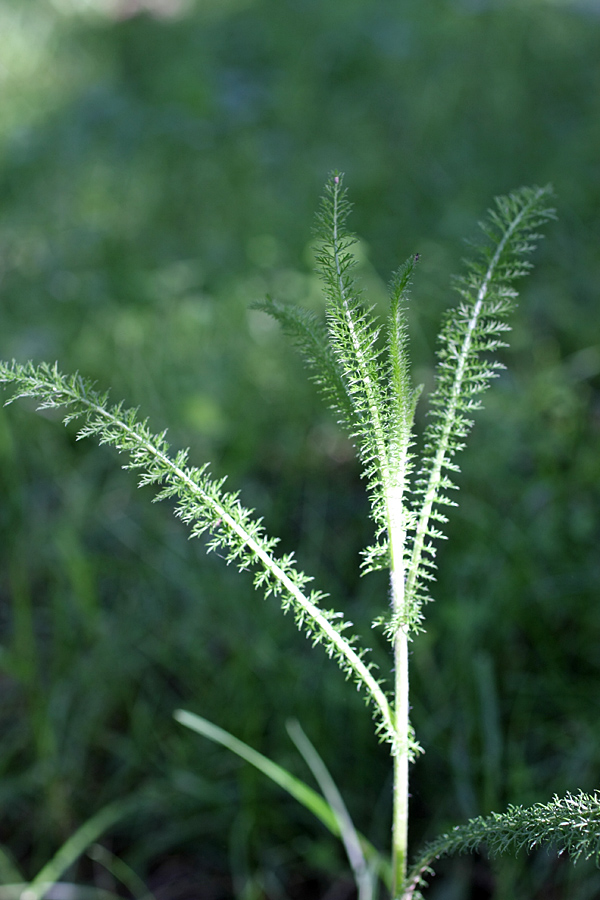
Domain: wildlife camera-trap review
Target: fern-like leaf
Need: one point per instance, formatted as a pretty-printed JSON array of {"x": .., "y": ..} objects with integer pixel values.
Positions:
[
  {"x": 471, "y": 331},
  {"x": 400, "y": 400},
  {"x": 570, "y": 824},
  {"x": 354, "y": 338},
  {"x": 204, "y": 504},
  {"x": 309, "y": 335}
]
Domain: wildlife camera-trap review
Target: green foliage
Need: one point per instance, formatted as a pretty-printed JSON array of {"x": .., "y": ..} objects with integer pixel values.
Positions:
[
  {"x": 144, "y": 208},
  {"x": 329, "y": 808},
  {"x": 570, "y": 824},
  {"x": 375, "y": 399},
  {"x": 470, "y": 332},
  {"x": 204, "y": 505},
  {"x": 369, "y": 385}
]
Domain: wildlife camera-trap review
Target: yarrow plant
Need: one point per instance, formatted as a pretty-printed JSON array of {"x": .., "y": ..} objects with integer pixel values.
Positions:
[{"x": 362, "y": 367}]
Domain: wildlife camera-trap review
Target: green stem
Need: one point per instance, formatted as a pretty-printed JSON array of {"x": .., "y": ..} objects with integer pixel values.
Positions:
[
  {"x": 400, "y": 822},
  {"x": 397, "y": 532}
]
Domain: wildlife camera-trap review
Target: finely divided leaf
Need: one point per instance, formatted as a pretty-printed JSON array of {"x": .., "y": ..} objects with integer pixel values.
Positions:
[
  {"x": 570, "y": 824},
  {"x": 471, "y": 331},
  {"x": 204, "y": 504}
]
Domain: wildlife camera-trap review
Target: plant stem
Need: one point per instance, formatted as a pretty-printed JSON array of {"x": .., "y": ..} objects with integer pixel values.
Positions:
[
  {"x": 397, "y": 532},
  {"x": 400, "y": 822}
]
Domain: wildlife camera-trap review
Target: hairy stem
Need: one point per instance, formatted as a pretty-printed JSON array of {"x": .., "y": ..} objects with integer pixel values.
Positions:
[
  {"x": 401, "y": 760},
  {"x": 397, "y": 532}
]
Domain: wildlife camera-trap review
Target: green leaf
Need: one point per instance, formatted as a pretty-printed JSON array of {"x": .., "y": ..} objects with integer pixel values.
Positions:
[
  {"x": 122, "y": 872},
  {"x": 309, "y": 335},
  {"x": 205, "y": 506},
  {"x": 301, "y": 792},
  {"x": 353, "y": 336},
  {"x": 364, "y": 875},
  {"x": 71, "y": 850},
  {"x": 471, "y": 331},
  {"x": 571, "y": 824},
  {"x": 9, "y": 871},
  {"x": 60, "y": 890}
]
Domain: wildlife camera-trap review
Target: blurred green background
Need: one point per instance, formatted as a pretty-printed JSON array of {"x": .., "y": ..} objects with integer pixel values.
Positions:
[{"x": 160, "y": 165}]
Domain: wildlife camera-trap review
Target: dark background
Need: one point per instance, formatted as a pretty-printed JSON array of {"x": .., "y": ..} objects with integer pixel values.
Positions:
[{"x": 160, "y": 165}]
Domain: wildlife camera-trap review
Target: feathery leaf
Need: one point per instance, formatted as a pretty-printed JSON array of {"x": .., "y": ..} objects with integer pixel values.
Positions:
[
  {"x": 203, "y": 504},
  {"x": 570, "y": 824},
  {"x": 470, "y": 331}
]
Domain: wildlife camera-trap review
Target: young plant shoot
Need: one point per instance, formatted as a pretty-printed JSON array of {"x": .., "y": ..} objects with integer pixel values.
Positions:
[{"x": 362, "y": 367}]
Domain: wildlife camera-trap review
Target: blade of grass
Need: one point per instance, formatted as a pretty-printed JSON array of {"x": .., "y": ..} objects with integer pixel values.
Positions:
[
  {"x": 72, "y": 849},
  {"x": 9, "y": 870},
  {"x": 363, "y": 873},
  {"x": 301, "y": 792},
  {"x": 121, "y": 871},
  {"x": 58, "y": 890}
]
